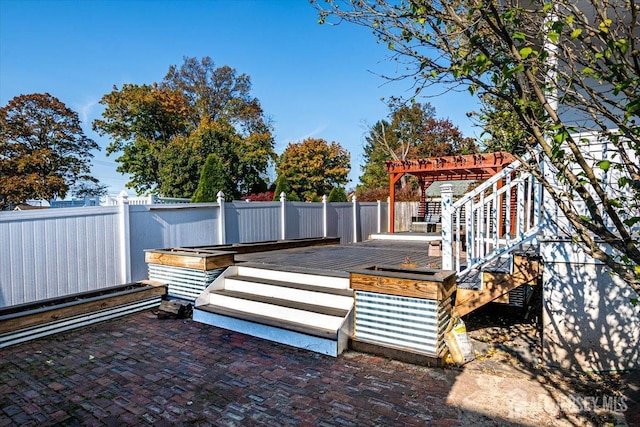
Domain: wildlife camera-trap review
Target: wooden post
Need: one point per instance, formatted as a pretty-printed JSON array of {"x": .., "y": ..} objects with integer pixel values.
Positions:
[
  {"x": 446, "y": 194},
  {"x": 283, "y": 216},
  {"x": 392, "y": 197},
  {"x": 125, "y": 238},
  {"x": 355, "y": 218},
  {"x": 389, "y": 217},
  {"x": 500, "y": 209},
  {"x": 422, "y": 206},
  {"x": 324, "y": 216},
  {"x": 393, "y": 179},
  {"x": 222, "y": 236}
]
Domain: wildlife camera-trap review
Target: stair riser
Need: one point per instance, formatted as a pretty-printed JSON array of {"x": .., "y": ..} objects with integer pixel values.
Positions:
[
  {"x": 301, "y": 278},
  {"x": 298, "y": 295},
  {"x": 278, "y": 312},
  {"x": 294, "y": 339}
]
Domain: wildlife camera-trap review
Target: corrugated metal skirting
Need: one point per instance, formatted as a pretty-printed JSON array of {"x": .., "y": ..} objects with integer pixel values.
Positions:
[
  {"x": 403, "y": 322},
  {"x": 54, "y": 327},
  {"x": 184, "y": 283}
]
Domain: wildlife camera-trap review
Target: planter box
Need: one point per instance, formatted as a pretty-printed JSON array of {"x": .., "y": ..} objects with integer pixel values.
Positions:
[
  {"x": 411, "y": 282},
  {"x": 402, "y": 310},
  {"x": 30, "y": 321}
]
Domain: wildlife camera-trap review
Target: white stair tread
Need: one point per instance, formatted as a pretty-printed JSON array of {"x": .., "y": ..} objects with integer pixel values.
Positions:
[
  {"x": 277, "y": 312},
  {"x": 293, "y": 285},
  {"x": 273, "y": 289},
  {"x": 295, "y": 277},
  {"x": 315, "y": 308}
]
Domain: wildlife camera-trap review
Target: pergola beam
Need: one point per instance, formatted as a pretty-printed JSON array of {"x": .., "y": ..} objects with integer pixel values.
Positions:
[{"x": 446, "y": 168}]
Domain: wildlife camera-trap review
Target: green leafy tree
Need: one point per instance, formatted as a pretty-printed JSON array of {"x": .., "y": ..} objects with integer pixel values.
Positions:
[
  {"x": 43, "y": 149},
  {"x": 165, "y": 131},
  {"x": 282, "y": 186},
  {"x": 313, "y": 167},
  {"x": 182, "y": 160},
  {"x": 411, "y": 131},
  {"x": 211, "y": 180},
  {"x": 564, "y": 70},
  {"x": 502, "y": 131},
  {"x": 337, "y": 194}
]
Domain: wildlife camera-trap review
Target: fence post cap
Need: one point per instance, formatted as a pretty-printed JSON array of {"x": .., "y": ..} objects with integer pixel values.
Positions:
[{"x": 283, "y": 197}]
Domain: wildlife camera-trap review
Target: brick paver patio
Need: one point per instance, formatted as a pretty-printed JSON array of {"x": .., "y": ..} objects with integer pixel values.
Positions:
[{"x": 143, "y": 371}]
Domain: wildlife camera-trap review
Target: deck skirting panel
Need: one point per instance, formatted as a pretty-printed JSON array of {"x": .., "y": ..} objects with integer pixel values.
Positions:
[
  {"x": 186, "y": 283},
  {"x": 271, "y": 333},
  {"x": 416, "y": 324}
]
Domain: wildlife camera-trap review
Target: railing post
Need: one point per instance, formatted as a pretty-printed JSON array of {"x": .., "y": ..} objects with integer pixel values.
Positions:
[
  {"x": 222, "y": 227},
  {"x": 125, "y": 237},
  {"x": 355, "y": 218},
  {"x": 150, "y": 200},
  {"x": 283, "y": 216},
  {"x": 324, "y": 216},
  {"x": 446, "y": 194},
  {"x": 521, "y": 214},
  {"x": 379, "y": 225},
  {"x": 470, "y": 241}
]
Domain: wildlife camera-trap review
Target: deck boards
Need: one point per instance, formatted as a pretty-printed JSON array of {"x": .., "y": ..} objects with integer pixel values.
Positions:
[{"x": 343, "y": 258}]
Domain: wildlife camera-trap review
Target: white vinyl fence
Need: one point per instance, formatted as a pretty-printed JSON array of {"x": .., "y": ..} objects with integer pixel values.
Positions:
[{"x": 56, "y": 252}]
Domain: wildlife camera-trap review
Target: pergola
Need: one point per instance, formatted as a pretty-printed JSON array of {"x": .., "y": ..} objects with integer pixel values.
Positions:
[{"x": 446, "y": 168}]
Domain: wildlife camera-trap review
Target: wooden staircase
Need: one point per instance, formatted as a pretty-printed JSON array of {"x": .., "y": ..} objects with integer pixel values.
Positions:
[
  {"x": 302, "y": 308},
  {"x": 495, "y": 282}
]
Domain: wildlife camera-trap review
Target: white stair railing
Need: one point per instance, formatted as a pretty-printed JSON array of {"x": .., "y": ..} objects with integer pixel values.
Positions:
[{"x": 493, "y": 219}]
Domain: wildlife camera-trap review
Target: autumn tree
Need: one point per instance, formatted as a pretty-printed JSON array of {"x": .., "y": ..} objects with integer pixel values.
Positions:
[
  {"x": 567, "y": 71},
  {"x": 165, "y": 131},
  {"x": 141, "y": 121},
  {"x": 411, "y": 131},
  {"x": 313, "y": 167},
  {"x": 43, "y": 150}
]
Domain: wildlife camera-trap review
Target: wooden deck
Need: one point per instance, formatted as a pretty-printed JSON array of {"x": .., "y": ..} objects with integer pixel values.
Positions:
[{"x": 344, "y": 258}]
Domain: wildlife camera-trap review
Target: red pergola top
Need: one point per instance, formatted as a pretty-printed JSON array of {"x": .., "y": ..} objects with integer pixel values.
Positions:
[{"x": 448, "y": 168}]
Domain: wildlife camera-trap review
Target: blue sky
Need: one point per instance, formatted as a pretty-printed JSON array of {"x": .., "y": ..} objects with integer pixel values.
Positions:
[{"x": 312, "y": 80}]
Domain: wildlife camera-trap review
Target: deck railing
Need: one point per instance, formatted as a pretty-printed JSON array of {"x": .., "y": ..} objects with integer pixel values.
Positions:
[{"x": 493, "y": 219}]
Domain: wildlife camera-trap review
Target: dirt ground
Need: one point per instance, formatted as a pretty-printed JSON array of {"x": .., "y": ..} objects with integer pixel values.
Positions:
[{"x": 507, "y": 343}]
